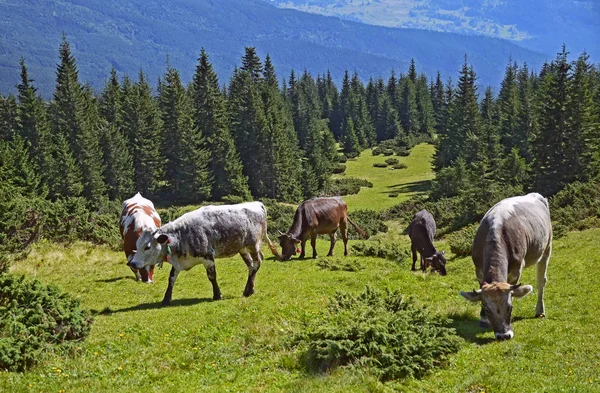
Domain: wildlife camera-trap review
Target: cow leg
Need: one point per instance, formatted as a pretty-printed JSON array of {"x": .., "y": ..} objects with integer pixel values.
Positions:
[
  {"x": 542, "y": 266},
  {"x": 483, "y": 319},
  {"x": 150, "y": 275},
  {"x": 344, "y": 231},
  {"x": 211, "y": 272},
  {"x": 313, "y": 243},
  {"x": 414, "y": 256},
  {"x": 172, "y": 277},
  {"x": 253, "y": 262},
  {"x": 138, "y": 276},
  {"x": 333, "y": 237},
  {"x": 303, "y": 245}
]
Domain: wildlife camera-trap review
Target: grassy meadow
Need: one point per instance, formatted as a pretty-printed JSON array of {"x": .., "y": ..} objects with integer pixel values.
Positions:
[{"x": 238, "y": 344}]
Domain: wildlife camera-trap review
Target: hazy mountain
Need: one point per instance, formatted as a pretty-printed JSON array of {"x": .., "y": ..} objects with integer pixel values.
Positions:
[
  {"x": 134, "y": 34},
  {"x": 541, "y": 25}
]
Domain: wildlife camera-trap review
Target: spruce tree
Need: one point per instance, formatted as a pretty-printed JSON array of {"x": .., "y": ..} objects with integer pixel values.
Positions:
[
  {"x": 408, "y": 106},
  {"x": 210, "y": 114},
  {"x": 351, "y": 144},
  {"x": 509, "y": 107},
  {"x": 187, "y": 160},
  {"x": 526, "y": 118},
  {"x": 252, "y": 64},
  {"x": 8, "y": 117},
  {"x": 117, "y": 161},
  {"x": 426, "y": 114}
]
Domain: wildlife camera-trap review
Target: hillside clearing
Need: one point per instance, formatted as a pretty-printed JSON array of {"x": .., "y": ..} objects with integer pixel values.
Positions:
[{"x": 237, "y": 344}]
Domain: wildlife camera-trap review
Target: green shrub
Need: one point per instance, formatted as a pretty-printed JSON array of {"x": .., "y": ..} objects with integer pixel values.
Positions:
[
  {"x": 233, "y": 199},
  {"x": 368, "y": 220},
  {"x": 380, "y": 165},
  {"x": 576, "y": 207},
  {"x": 335, "y": 264},
  {"x": 393, "y": 194},
  {"x": 351, "y": 155},
  {"x": 380, "y": 330},
  {"x": 388, "y": 152},
  {"x": 376, "y": 151},
  {"x": 279, "y": 217},
  {"x": 461, "y": 242},
  {"x": 35, "y": 319},
  {"x": 391, "y": 161},
  {"x": 386, "y": 250},
  {"x": 342, "y": 159},
  {"x": 345, "y": 186},
  {"x": 339, "y": 168},
  {"x": 399, "y": 166}
]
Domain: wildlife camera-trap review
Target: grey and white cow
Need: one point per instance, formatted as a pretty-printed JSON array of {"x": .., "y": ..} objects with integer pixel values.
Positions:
[
  {"x": 514, "y": 234},
  {"x": 201, "y": 236}
]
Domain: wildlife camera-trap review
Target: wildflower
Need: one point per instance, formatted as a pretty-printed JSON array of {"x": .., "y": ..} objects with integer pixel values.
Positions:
[
  {"x": 120, "y": 368},
  {"x": 121, "y": 335}
]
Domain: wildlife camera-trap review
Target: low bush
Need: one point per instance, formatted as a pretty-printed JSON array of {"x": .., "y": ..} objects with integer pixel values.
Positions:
[
  {"x": 335, "y": 264},
  {"x": 342, "y": 159},
  {"x": 376, "y": 151},
  {"x": 576, "y": 207},
  {"x": 368, "y": 220},
  {"x": 391, "y": 161},
  {"x": 339, "y": 168},
  {"x": 386, "y": 250},
  {"x": 36, "y": 319},
  {"x": 399, "y": 166},
  {"x": 393, "y": 194},
  {"x": 345, "y": 186},
  {"x": 279, "y": 217},
  {"x": 380, "y": 165},
  {"x": 461, "y": 242},
  {"x": 351, "y": 155},
  {"x": 379, "y": 330},
  {"x": 388, "y": 152}
]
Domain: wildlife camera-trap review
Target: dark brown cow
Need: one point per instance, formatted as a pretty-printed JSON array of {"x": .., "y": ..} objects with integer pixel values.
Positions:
[
  {"x": 421, "y": 231},
  {"x": 138, "y": 214},
  {"x": 317, "y": 216}
]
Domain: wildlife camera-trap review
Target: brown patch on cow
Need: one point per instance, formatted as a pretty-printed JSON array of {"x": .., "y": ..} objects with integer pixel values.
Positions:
[{"x": 496, "y": 287}]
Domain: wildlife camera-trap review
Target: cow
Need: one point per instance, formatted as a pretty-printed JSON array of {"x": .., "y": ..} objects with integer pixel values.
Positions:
[
  {"x": 317, "y": 216},
  {"x": 515, "y": 233},
  {"x": 201, "y": 236},
  {"x": 137, "y": 215},
  {"x": 421, "y": 231}
]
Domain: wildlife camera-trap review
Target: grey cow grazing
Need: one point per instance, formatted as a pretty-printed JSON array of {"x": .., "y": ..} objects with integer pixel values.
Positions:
[
  {"x": 514, "y": 234},
  {"x": 201, "y": 236},
  {"x": 421, "y": 232}
]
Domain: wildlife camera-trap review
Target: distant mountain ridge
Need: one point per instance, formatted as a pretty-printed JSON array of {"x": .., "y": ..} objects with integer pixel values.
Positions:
[
  {"x": 141, "y": 34},
  {"x": 540, "y": 25}
]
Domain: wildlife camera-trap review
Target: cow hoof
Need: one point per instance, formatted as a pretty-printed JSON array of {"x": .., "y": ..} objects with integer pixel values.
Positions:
[
  {"x": 219, "y": 297},
  {"x": 248, "y": 293},
  {"x": 166, "y": 303},
  {"x": 149, "y": 282},
  {"x": 541, "y": 316},
  {"x": 414, "y": 269},
  {"x": 330, "y": 254}
]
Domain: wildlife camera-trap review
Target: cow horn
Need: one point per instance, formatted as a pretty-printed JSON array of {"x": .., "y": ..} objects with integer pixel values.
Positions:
[
  {"x": 273, "y": 249},
  {"x": 281, "y": 233},
  {"x": 513, "y": 287}
]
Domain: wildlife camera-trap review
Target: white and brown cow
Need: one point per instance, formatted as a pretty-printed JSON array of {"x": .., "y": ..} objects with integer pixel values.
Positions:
[
  {"x": 514, "y": 234},
  {"x": 138, "y": 215},
  {"x": 201, "y": 236}
]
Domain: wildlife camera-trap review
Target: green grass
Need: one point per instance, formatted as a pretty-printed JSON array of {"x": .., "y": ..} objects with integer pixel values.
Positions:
[
  {"x": 414, "y": 180},
  {"x": 236, "y": 345}
]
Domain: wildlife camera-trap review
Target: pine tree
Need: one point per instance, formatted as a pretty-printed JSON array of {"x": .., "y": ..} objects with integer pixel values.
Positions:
[
  {"x": 408, "y": 106},
  {"x": 18, "y": 176},
  {"x": 426, "y": 115},
  {"x": 438, "y": 101},
  {"x": 509, "y": 107},
  {"x": 252, "y": 64},
  {"x": 187, "y": 160},
  {"x": 351, "y": 144},
  {"x": 8, "y": 117},
  {"x": 142, "y": 125},
  {"x": 526, "y": 119},
  {"x": 211, "y": 119},
  {"x": 363, "y": 124},
  {"x": 117, "y": 161},
  {"x": 387, "y": 125}
]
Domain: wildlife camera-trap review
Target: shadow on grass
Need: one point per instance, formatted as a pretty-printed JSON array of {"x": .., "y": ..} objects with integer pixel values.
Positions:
[
  {"x": 524, "y": 318},
  {"x": 115, "y": 279},
  {"x": 156, "y": 305},
  {"x": 468, "y": 328},
  {"x": 415, "y": 186}
]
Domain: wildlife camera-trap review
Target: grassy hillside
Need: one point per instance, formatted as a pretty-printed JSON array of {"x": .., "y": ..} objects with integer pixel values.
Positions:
[
  {"x": 141, "y": 34},
  {"x": 408, "y": 182},
  {"x": 237, "y": 344}
]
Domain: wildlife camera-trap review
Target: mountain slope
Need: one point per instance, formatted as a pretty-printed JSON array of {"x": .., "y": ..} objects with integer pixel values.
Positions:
[
  {"x": 134, "y": 34},
  {"x": 536, "y": 24}
]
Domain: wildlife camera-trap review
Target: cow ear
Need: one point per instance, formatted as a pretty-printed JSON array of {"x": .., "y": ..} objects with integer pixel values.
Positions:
[
  {"x": 443, "y": 252},
  {"x": 473, "y": 296},
  {"x": 522, "y": 290},
  {"x": 429, "y": 259},
  {"x": 162, "y": 239}
]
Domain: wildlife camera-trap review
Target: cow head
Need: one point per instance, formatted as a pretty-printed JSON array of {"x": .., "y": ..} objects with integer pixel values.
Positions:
[
  {"x": 145, "y": 274},
  {"x": 151, "y": 249},
  {"x": 289, "y": 245},
  {"x": 438, "y": 262},
  {"x": 496, "y": 299}
]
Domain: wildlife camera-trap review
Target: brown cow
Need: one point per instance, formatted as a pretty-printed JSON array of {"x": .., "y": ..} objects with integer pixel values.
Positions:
[
  {"x": 317, "y": 216},
  {"x": 137, "y": 215}
]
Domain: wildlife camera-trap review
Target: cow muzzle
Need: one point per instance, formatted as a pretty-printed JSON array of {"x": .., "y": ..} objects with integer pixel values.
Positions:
[
  {"x": 135, "y": 264},
  {"x": 504, "y": 336}
]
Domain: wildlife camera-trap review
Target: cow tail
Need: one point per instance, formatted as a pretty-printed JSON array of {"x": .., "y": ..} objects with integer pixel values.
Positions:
[
  {"x": 273, "y": 248},
  {"x": 362, "y": 233}
]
